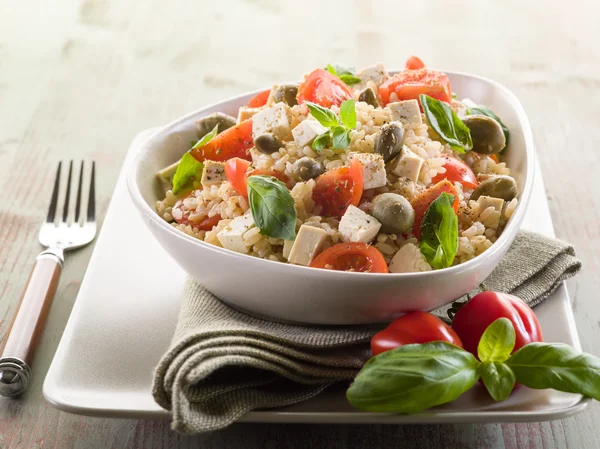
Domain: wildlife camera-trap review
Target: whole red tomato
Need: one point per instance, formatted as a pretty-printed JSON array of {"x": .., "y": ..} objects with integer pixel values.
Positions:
[
  {"x": 483, "y": 309},
  {"x": 413, "y": 327}
]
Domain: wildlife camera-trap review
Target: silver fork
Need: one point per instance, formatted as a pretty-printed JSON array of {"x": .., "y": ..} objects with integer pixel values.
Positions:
[{"x": 57, "y": 236}]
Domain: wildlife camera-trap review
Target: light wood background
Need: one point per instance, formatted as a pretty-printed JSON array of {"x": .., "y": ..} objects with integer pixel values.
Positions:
[{"x": 79, "y": 78}]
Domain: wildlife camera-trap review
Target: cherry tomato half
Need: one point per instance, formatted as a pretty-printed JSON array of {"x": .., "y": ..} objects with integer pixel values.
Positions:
[
  {"x": 260, "y": 99},
  {"x": 353, "y": 256},
  {"x": 457, "y": 171},
  {"x": 323, "y": 88},
  {"x": 409, "y": 84},
  {"x": 233, "y": 142},
  {"x": 413, "y": 327},
  {"x": 483, "y": 309},
  {"x": 424, "y": 200},
  {"x": 338, "y": 188}
]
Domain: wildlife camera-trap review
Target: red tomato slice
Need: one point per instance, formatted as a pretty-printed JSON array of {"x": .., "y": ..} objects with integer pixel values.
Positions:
[
  {"x": 409, "y": 84},
  {"x": 235, "y": 171},
  {"x": 338, "y": 188},
  {"x": 424, "y": 200},
  {"x": 260, "y": 99},
  {"x": 353, "y": 256},
  {"x": 414, "y": 63},
  {"x": 494, "y": 157},
  {"x": 182, "y": 216},
  {"x": 233, "y": 142},
  {"x": 457, "y": 171},
  {"x": 323, "y": 88},
  {"x": 410, "y": 328},
  {"x": 276, "y": 174}
]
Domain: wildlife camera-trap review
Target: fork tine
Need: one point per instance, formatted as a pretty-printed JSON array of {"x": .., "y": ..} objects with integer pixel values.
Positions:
[
  {"x": 91, "y": 212},
  {"x": 68, "y": 194},
  {"x": 78, "y": 203},
  {"x": 54, "y": 200}
]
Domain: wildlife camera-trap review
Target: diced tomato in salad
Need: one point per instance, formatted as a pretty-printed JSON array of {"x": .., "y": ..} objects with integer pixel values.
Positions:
[
  {"x": 424, "y": 200},
  {"x": 233, "y": 142},
  {"x": 323, "y": 88},
  {"x": 260, "y": 99},
  {"x": 414, "y": 81},
  {"x": 339, "y": 188},
  {"x": 236, "y": 172},
  {"x": 457, "y": 171}
]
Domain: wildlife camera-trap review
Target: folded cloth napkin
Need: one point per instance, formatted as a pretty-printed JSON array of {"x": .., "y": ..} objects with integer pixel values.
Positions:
[{"x": 223, "y": 363}]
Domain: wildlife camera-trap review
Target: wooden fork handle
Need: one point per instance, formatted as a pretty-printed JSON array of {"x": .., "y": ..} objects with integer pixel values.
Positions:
[{"x": 28, "y": 323}]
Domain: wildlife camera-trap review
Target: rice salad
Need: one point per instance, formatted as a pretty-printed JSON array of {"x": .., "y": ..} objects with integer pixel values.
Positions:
[{"x": 354, "y": 171}]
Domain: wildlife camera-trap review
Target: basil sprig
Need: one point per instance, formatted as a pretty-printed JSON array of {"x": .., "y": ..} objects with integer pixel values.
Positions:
[
  {"x": 273, "y": 207},
  {"x": 439, "y": 232},
  {"x": 412, "y": 378},
  {"x": 338, "y": 129},
  {"x": 188, "y": 165},
  {"x": 481, "y": 109},
  {"x": 446, "y": 124},
  {"x": 346, "y": 74}
]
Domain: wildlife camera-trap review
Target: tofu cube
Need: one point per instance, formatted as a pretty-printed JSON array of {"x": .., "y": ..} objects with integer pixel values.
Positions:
[
  {"x": 213, "y": 173},
  {"x": 373, "y": 169},
  {"x": 358, "y": 226},
  {"x": 307, "y": 131},
  {"x": 407, "y": 165},
  {"x": 409, "y": 260},
  {"x": 375, "y": 73},
  {"x": 407, "y": 112},
  {"x": 487, "y": 201},
  {"x": 231, "y": 237},
  {"x": 245, "y": 113},
  {"x": 274, "y": 120},
  {"x": 307, "y": 245}
]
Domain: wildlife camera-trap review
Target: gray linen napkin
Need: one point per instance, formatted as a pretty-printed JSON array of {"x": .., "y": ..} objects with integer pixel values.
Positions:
[{"x": 223, "y": 363}]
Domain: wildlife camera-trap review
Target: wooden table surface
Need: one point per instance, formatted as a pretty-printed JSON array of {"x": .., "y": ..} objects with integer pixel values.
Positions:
[{"x": 79, "y": 78}]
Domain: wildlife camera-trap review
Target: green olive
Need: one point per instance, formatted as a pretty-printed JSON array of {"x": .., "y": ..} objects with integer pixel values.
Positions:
[
  {"x": 307, "y": 168},
  {"x": 487, "y": 134},
  {"x": 389, "y": 140},
  {"x": 206, "y": 124},
  {"x": 394, "y": 212},
  {"x": 267, "y": 143},
  {"x": 285, "y": 93},
  {"x": 499, "y": 186},
  {"x": 368, "y": 96}
]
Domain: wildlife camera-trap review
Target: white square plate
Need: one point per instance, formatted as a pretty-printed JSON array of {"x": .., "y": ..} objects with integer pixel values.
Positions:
[{"x": 125, "y": 315}]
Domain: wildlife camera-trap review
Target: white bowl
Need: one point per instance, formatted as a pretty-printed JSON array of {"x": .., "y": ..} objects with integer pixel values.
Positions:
[{"x": 307, "y": 295}]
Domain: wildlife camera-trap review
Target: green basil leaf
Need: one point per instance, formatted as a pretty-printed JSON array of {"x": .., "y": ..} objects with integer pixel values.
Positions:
[
  {"x": 324, "y": 116},
  {"x": 321, "y": 141},
  {"x": 349, "y": 79},
  {"x": 341, "y": 138},
  {"x": 207, "y": 138},
  {"x": 331, "y": 69},
  {"x": 498, "y": 378},
  {"x": 348, "y": 114},
  {"x": 446, "y": 123},
  {"x": 439, "y": 232},
  {"x": 273, "y": 207},
  {"x": 192, "y": 143},
  {"x": 557, "y": 366},
  {"x": 497, "y": 342},
  {"x": 413, "y": 378},
  {"x": 188, "y": 167},
  {"x": 481, "y": 109}
]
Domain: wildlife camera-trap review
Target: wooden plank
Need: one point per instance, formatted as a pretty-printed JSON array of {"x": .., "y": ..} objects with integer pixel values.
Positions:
[{"x": 79, "y": 78}]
